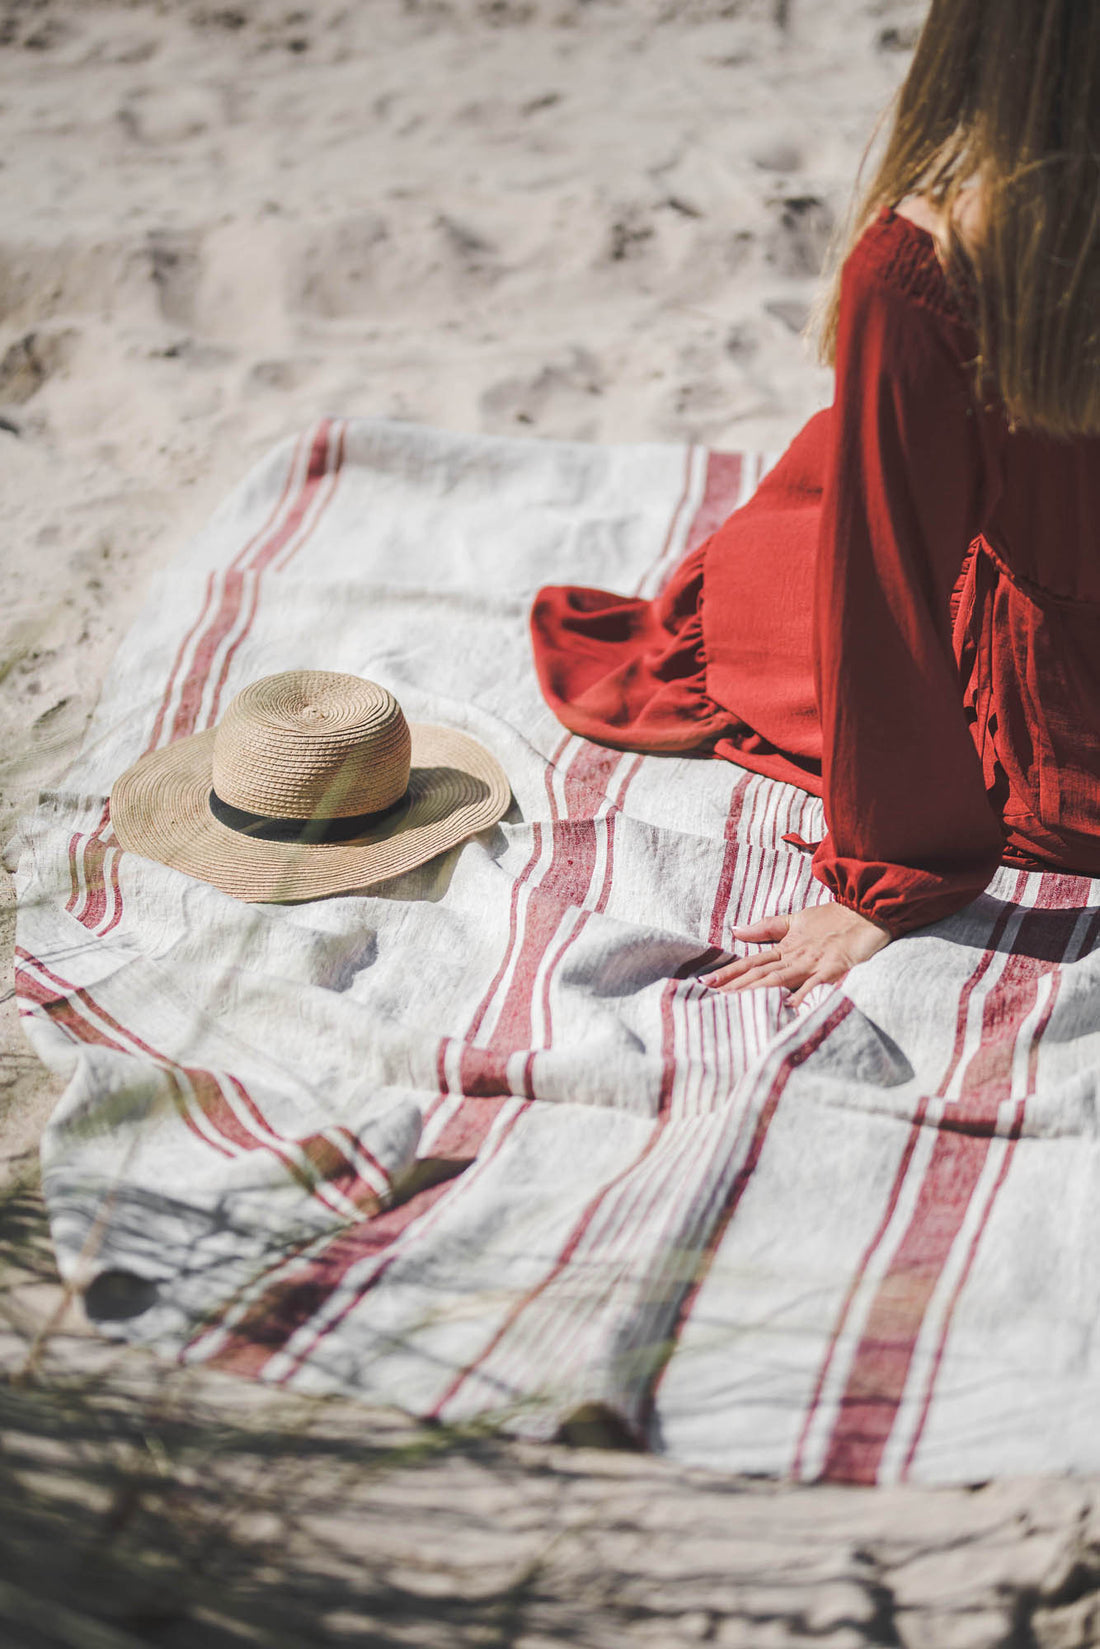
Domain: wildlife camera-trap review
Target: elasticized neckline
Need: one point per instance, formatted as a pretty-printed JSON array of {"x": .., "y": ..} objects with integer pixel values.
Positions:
[{"x": 904, "y": 255}]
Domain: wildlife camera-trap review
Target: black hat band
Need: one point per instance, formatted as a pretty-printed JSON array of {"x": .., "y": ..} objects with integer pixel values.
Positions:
[{"x": 261, "y": 827}]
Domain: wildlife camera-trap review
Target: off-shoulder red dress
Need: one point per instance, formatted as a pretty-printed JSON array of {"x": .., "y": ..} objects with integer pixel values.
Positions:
[{"x": 904, "y": 619}]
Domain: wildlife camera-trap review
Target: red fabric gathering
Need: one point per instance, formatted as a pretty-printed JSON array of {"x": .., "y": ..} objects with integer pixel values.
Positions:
[{"x": 904, "y": 619}]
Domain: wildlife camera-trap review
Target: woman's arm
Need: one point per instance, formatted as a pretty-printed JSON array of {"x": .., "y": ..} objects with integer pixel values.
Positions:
[{"x": 912, "y": 836}]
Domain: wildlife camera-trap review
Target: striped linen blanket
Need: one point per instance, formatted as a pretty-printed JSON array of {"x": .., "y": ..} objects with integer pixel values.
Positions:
[{"x": 476, "y": 1142}]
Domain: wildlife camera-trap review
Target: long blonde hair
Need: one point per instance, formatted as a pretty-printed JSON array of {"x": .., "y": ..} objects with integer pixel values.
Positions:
[{"x": 1004, "y": 96}]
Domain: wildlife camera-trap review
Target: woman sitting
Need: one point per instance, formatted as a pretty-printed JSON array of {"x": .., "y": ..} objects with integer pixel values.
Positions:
[{"x": 905, "y": 618}]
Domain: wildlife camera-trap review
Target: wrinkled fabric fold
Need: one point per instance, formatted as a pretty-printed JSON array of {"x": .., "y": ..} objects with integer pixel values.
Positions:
[{"x": 629, "y": 672}]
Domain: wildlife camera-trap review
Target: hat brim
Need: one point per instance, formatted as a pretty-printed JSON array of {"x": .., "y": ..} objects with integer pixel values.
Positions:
[{"x": 160, "y": 808}]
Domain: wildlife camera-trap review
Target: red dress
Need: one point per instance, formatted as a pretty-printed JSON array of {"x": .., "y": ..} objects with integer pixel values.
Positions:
[{"x": 904, "y": 619}]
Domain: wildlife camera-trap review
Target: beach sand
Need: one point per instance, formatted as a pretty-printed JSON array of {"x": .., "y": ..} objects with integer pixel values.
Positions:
[{"x": 589, "y": 219}]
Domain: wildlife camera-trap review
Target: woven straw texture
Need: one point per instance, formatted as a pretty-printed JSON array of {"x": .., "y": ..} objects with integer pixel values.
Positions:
[
  {"x": 312, "y": 744},
  {"x": 290, "y": 744}
]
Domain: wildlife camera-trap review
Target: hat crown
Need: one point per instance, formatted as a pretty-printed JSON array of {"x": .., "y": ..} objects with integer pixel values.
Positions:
[{"x": 312, "y": 744}]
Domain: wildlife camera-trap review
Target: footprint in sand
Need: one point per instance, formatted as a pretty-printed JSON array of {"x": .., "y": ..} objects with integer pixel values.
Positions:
[
  {"x": 31, "y": 361},
  {"x": 798, "y": 241},
  {"x": 556, "y": 398},
  {"x": 175, "y": 265}
]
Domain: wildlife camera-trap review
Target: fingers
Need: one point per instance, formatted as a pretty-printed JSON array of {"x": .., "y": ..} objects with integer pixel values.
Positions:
[
  {"x": 789, "y": 958},
  {"x": 768, "y": 931},
  {"x": 782, "y": 976},
  {"x": 786, "y": 976},
  {"x": 799, "y": 996},
  {"x": 772, "y": 970},
  {"x": 731, "y": 971},
  {"x": 768, "y": 969}
]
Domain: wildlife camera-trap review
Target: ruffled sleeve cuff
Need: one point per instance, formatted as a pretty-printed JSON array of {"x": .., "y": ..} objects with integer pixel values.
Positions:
[{"x": 898, "y": 897}]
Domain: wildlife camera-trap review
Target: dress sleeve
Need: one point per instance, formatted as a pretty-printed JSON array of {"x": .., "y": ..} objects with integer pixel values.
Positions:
[{"x": 912, "y": 835}]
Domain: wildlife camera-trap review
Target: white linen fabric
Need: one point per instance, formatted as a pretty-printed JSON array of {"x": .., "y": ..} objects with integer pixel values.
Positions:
[{"x": 477, "y": 1141}]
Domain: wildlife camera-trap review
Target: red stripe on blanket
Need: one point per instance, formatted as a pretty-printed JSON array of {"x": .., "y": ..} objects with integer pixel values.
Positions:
[
  {"x": 356, "y": 1149},
  {"x": 58, "y": 1007},
  {"x": 213, "y": 1107},
  {"x": 720, "y": 908},
  {"x": 92, "y": 881},
  {"x": 85, "y": 879},
  {"x": 426, "y": 1203},
  {"x": 670, "y": 1069},
  {"x": 890, "y": 1208},
  {"x": 464, "y": 1133},
  {"x": 87, "y": 871},
  {"x": 492, "y": 1081},
  {"x": 242, "y": 555},
  {"x": 672, "y": 545},
  {"x": 566, "y": 882},
  {"x": 298, "y": 1297},
  {"x": 720, "y": 495},
  {"x": 61, "y": 1010},
  {"x": 116, "y": 895},
  {"x": 595, "y": 1204},
  {"x": 319, "y": 469},
  {"x": 880, "y": 1369},
  {"x": 511, "y": 1318},
  {"x": 194, "y": 686},
  {"x": 258, "y": 553},
  {"x": 513, "y": 933},
  {"x": 1014, "y": 1133},
  {"x": 82, "y": 994},
  {"x": 789, "y": 1063},
  {"x": 330, "y": 1166},
  {"x": 338, "y": 440},
  {"x": 300, "y": 1289},
  {"x": 331, "y": 466},
  {"x": 597, "y": 909},
  {"x": 208, "y": 598},
  {"x": 722, "y": 484}
]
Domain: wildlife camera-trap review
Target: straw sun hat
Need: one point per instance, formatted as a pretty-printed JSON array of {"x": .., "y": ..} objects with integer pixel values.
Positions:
[{"x": 312, "y": 783}]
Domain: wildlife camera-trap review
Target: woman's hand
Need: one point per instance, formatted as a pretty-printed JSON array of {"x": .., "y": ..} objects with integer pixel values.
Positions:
[{"x": 812, "y": 947}]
